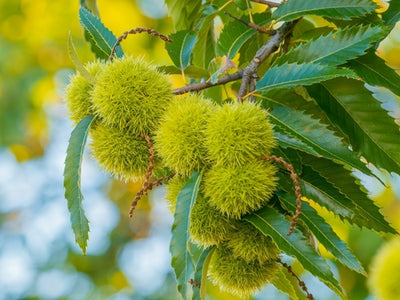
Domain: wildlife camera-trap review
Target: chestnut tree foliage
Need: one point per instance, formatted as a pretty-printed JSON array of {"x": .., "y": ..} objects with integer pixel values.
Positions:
[{"x": 304, "y": 63}]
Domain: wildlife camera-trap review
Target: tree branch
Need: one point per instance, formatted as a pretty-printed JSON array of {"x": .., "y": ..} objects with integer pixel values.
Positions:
[
  {"x": 250, "y": 72},
  {"x": 203, "y": 85}
]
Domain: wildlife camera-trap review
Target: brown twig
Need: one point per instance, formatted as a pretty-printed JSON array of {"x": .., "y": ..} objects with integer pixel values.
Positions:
[
  {"x": 302, "y": 284},
  {"x": 159, "y": 181},
  {"x": 269, "y": 3},
  {"x": 297, "y": 189},
  {"x": 206, "y": 84},
  {"x": 194, "y": 283},
  {"x": 149, "y": 171},
  {"x": 134, "y": 31},
  {"x": 247, "y": 73},
  {"x": 252, "y": 25},
  {"x": 148, "y": 186},
  {"x": 271, "y": 46}
]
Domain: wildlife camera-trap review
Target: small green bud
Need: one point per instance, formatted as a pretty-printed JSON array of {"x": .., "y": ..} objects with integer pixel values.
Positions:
[
  {"x": 238, "y": 133},
  {"x": 238, "y": 277},
  {"x": 132, "y": 94},
  {"x": 248, "y": 243},
  {"x": 384, "y": 271},
  {"x": 120, "y": 152},
  {"x": 238, "y": 190},
  {"x": 207, "y": 225},
  {"x": 77, "y": 96},
  {"x": 180, "y": 138}
]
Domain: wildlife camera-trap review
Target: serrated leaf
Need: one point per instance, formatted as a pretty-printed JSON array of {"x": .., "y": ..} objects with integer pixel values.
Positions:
[
  {"x": 374, "y": 71},
  {"x": 286, "y": 141},
  {"x": 336, "y": 47},
  {"x": 180, "y": 241},
  {"x": 287, "y": 76},
  {"x": 315, "y": 187},
  {"x": 297, "y": 99},
  {"x": 72, "y": 181},
  {"x": 366, "y": 212},
  {"x": 340, "y": 9},
  {"x": 273, "y": 224},
  {"x": 369, "y": 19},
  {"x": 181, "y": 49},
  {"x": 314, "y": 135},
  {"x": 77, "y": 62},
  {"x": 100, "y": 37},
  {"x": 392, "y": 15},
  {"x": 235, "y": 34},
  {"x": 371, "y": 130},
  {"x": 200, "y": 274},
  {"x": 282, "y": 283},
  {"x": 324, "y": 233}
]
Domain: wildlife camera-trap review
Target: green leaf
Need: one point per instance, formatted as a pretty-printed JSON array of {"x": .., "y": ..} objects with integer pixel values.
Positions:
[
  {"x": 291, "y": 75},
  {"x": 184, "y": 13},
  {"x": 371, "y": 130},
  {"x": 374, "y": 71},
  {"x": 100, "y": 37},
  {"x": 75, "y": 59},
  {"x": 392, "y": 15},
  {"x": 235, "y": 34},
  {"x": 91, "y": 6},
  {"x": 368, "y": 19},
  {"x": 241, "y": 4},
  {"x": 72, "y": 181},
  {"x": 298, "y": 99},
  {"x": 180, "y": 241},
  {"x": 200, "y": 274},
  {"x": 282, "y": 283},
  {"x": 203, "y": 50},
  {"x": 181, "y": 49},
  {"x": 336, "y": 47},
  {"x": 273, "y": 224},
  {"x": 340, "y": 9},
  {"x": 314, "y": 135},
  {"x": 324, "y": 233},
  {"x": 315, "y": 187},
  {"x": 366, "y": 212}
]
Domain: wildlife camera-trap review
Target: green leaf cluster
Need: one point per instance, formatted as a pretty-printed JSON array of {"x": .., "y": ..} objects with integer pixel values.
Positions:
[{"x": 325, "y": 123}]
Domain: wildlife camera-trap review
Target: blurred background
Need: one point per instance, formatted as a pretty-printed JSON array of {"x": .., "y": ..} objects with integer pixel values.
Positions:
[{"x": 126, "y": 259}]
